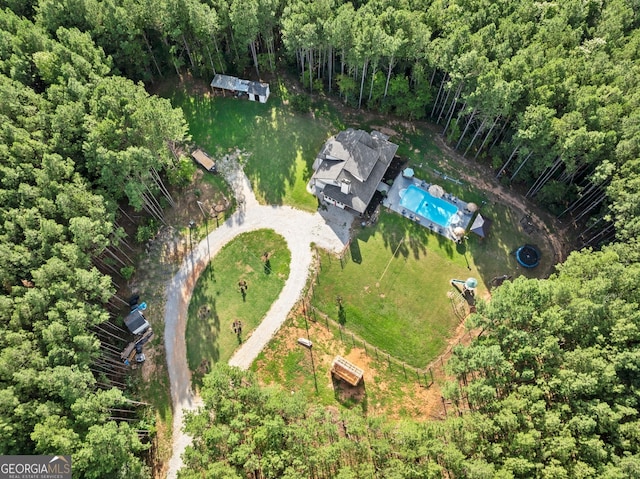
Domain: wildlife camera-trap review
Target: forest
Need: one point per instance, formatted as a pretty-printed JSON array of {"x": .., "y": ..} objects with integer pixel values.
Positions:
[{"x": 545, "y": 93}]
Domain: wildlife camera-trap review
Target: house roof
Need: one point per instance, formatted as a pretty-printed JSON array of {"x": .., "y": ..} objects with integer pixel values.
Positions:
[
  {"x": 359, "y": 157},
  {"x": 329, "y": 170},
  {"x": 361, "y": 192},
  {"x": 356, "y": 148}
]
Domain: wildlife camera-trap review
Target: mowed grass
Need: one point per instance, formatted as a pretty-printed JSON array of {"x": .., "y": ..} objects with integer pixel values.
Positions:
[
  {"x": 494, "y": 255},
  {"x": 395, "y": 293},
  {"x": 386, "y": 387},
  {"x": 280, "y": 143},
  {"x": 394, "y": 289},
  {"x": 217, "y": 301}
]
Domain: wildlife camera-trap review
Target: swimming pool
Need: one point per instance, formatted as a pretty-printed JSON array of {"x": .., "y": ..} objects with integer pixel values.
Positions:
[{"x": 422, "y": 203}]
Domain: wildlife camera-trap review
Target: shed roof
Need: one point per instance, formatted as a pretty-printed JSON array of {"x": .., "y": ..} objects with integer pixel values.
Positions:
[
  {"x": 136, "y": 322},
  {"x": 258, "y": 88},
  {"x": 203, "y": 159},
  {"x": 347, "y": 371},
  {"x": 225, "y": 82}
]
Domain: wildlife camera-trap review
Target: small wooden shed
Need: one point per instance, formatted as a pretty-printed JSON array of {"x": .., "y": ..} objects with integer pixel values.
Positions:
[
  {"x": 204, "y": 160},
  {"x": 258, "y": 91},
  {"x": 255, "y": 90},
  {"x": 343, "y": 369}
]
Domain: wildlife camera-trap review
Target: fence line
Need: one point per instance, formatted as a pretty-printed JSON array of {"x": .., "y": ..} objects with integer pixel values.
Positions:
[
  {"x": 423, "y": 376},
  {"x": 344, "y": 257}
]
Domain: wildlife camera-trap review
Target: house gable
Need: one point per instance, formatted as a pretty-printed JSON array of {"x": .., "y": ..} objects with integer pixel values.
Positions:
[{"x": 350, "y": 166}]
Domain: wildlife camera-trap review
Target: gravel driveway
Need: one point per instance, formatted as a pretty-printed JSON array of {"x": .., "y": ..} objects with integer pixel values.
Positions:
[{"x": 329, "y": 230}]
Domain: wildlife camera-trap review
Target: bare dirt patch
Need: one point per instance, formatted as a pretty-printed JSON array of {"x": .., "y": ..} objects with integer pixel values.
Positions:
[
  {"x": 386, "y": 130},
  {"x": 380, "y": 392}
]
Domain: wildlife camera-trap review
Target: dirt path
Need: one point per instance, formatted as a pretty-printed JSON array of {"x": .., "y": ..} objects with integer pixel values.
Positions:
[
  {"x": 299, "y": 229},
  {"x": 475, "y": 174}
]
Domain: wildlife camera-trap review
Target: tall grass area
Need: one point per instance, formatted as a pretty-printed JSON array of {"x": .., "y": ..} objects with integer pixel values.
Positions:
[
  {"x": 280, "y": 143},
  {"x": 394, "y": 289},
  {"x": 217, "y": 301}
]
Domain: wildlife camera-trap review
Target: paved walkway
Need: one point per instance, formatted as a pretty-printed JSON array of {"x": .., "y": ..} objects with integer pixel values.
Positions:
[{"x": 299, "y": 229}]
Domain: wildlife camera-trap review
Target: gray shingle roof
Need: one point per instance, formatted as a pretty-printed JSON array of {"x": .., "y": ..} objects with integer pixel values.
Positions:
[
  {"x": 225, "y": 82},
  {"x": 359, "y": 157},
  {"x": 257, "y": 88}
]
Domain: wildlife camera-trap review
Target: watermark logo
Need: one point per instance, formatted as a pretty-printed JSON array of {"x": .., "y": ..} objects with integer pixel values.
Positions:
[{"x": 35, "y": 467}]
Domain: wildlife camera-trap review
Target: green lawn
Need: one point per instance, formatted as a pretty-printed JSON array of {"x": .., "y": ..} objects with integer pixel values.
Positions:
[
  {"x": 494, "y": 255},
  {"x": 217, "y": 300},
  {"x": 285, "y": 363},
  {"x": 394, "y": 290},
  {"x": 280, "y": 143}
]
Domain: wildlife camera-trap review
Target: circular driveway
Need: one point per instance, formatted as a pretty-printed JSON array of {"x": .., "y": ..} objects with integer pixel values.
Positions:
[{"x": 299, "y": 229}]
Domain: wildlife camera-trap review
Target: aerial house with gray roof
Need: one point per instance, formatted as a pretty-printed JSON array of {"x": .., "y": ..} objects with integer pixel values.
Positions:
[{"x": 349, "y": 168}]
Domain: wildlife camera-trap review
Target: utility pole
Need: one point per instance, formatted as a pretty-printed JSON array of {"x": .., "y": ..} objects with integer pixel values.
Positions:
[
  {"x": 310, "y": 348},
  {"x": 192, "y": 224},
  {"x": 313, "y": 367}
]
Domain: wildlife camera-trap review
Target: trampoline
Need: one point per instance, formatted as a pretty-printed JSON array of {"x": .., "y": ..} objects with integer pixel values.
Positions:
[{"x": 528, "y": 256}]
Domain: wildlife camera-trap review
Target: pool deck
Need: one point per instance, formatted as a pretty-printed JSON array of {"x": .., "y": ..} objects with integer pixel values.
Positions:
[{"x": 392, "y": 202}]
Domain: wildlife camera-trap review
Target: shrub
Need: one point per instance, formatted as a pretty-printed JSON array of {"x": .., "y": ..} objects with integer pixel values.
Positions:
[
  {"x": 147, "y": 231},
  {"x": 127, "y": 272},
  {"x": 301, "y": 103},
  {"x": 182, "y": 174}
]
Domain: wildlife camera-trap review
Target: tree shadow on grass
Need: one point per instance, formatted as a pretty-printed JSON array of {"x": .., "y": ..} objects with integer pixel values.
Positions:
[
  {"x": 354, "y": 250},
  {"x": 402, "y": 236},
  {"x": 203, "y": 329},
  {"x": 282, "y": 143}
]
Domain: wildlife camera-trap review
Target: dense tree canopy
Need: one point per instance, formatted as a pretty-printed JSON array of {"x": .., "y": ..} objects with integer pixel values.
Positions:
[
  {"x": 550, "y": 389},
  {"x": 553, "y": 379},
  {"x": 544, "y": 92},
  {"x": 73, "y": 137}
]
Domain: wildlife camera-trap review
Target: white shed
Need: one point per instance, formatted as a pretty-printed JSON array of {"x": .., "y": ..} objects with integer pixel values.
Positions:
[{"x": 258, "y": 91}]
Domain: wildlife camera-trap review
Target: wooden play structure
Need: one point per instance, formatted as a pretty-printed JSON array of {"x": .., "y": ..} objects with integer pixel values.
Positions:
[{"x": 343, "y": 369}]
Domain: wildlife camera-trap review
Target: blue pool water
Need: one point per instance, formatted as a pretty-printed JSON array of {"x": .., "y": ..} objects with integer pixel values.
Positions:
[{"x": 422, "y": 203}]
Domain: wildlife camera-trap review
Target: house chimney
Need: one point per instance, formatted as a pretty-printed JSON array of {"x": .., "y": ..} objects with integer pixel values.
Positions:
[{"x": 345, "y": 187}]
